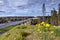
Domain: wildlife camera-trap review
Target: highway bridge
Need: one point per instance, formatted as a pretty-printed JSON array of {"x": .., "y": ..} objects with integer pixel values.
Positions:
[{"x": 14, "y": 23}]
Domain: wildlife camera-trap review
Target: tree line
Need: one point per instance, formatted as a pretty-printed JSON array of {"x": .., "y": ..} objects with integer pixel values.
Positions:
[{"x": 55, "y": 17}]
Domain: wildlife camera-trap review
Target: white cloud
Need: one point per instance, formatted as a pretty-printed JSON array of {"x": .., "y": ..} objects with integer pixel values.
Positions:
[
  {"x": 26, "y": 9},
  {"x": 1, "y": 2},
  {"x": 18, "y": 2},
  {"x": 53, "y": 2}
]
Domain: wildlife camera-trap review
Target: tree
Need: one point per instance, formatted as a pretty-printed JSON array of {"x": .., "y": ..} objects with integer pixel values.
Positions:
[
  {"x": 54, "y": 19},
  {"x": 48, "y": 19},
  {"x": 43, "y": 11},
  {"x": 59, "y": 15}
]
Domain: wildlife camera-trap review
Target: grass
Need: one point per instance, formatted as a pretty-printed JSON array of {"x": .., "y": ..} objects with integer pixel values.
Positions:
[
  {"x": 25, "y": 32},
  {"x": 6, "y": 29},
  {"x": 57, "y": 31},
  {"x": 17, "y": 33}
]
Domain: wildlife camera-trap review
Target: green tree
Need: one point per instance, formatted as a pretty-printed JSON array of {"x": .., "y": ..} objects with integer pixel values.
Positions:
[
  {"x": 54, "y": 19},
  {"x": 48, "y": 19},
  {"x": 59, "y": 14}
]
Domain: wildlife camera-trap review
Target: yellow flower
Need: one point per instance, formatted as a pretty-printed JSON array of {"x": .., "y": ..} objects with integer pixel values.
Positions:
[
  {"x": 38, "y": 29},
  {"x": 47, "y": 25},
  {"x": 52, "y": 32},
  {"x": 36, "y": 24},
  {"x": 42, "y": 22},
  {"x": 46, "y": 28},
  {"x": 54, "y": 26},
  {"x": 40, "y": 32}
]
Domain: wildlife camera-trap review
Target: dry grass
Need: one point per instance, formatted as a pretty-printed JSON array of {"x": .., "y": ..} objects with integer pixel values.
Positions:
[{"x": 15, "y": 33}]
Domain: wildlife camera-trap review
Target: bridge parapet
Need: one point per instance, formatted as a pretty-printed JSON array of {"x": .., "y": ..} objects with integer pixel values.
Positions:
[{"x": 29, "y": 21}]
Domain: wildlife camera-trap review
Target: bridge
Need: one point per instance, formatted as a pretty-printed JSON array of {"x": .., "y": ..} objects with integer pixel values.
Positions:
[{"x": 27, "y": 21}]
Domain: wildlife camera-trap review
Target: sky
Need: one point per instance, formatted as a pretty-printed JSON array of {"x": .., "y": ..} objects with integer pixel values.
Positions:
[{"x": 26, "y": 7}]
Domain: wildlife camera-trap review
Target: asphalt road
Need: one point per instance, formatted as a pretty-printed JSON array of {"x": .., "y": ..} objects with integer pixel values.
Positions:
[{"x": 12, "y": 23}]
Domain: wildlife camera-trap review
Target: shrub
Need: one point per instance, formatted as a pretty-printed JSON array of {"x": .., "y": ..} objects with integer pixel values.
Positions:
[
  {"x": 23, "y": 27},
  {"x": 47, "y": 32},
  {"x": 57, "y": 32}
]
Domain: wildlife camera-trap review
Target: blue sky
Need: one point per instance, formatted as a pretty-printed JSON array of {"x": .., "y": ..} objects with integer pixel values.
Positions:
[{"x": 26, "y": 7}]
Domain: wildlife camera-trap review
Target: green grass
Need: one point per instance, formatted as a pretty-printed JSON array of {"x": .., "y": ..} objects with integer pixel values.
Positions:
[
  {"x": 57, "y": 32},
  {"x": 25, "y": 32},
  {"x": 6, "y": 29},
  {"x": 17, "y": 33}
]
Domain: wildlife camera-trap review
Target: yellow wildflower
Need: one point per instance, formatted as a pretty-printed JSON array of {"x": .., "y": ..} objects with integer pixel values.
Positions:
[
  {"x": 42, "y": 22},
  {"x": 36, "y": 24},
  {"x": 54, "y": 26},
  {"x": 40, "y": 32},
  {"x": 52, "y": 32},
  {"x": 38, "y": 29},
  {"x": 46, "y": 28},
  {"x": 47, "y": 25}
]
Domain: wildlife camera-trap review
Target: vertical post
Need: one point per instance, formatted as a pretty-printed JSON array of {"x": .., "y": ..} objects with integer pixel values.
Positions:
[{"x": 43, "y": 11}]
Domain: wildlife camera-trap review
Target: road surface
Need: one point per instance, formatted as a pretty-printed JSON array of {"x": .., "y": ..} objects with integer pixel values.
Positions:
[{"x": 12, "y": 23}]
